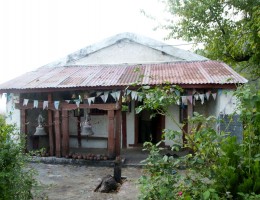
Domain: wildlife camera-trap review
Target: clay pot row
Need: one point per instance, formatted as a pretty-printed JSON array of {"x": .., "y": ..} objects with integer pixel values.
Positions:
[{"x": 87, "y": 156}]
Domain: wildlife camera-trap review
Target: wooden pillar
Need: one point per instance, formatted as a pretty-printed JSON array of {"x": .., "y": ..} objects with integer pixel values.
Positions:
[
  {"x": 124, "y": 132},
  {"x": 111, "y": 134},
  {"x": 189, "y": 109},
  {"x": 65, "y": 133},
  {"x": 23, "y": 130},
  {"x": 50, "y": 128},
  {"x": 118, "y": 133},
  {"x": 57, "y": 132}
]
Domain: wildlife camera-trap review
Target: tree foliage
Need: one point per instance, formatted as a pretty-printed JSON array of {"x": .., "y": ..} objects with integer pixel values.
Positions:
[
  {"x": 229, "y": 30},
  {"x": 16, "y": 180}
]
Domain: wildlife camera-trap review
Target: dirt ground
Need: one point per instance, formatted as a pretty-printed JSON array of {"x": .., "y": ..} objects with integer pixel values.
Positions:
[{"x": 78, "y": 182}]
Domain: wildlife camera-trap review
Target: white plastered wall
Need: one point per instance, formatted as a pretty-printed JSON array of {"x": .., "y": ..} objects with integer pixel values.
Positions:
[
  {"x": 130, "y": 125},
  {"x": 173, "y": 124},
  {"x": 126, "y": 52}
]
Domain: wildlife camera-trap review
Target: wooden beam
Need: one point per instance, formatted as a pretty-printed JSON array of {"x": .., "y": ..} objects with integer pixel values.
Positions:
[
  {"x": 57, "y": 133},
  {"x": 67, "y": 106},
  {"x": 50, "y": 129},
  {"x": 23, "y": 126},
  {"x": 65, "y": 133},
  {"x": 118, "y": 132},
  {"x": 111, "y": 134}
]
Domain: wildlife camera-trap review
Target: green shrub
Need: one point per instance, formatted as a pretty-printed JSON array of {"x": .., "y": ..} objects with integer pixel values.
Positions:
[
  {"x": 218, "y": 168},
  {"x": 16, "y": 179}
]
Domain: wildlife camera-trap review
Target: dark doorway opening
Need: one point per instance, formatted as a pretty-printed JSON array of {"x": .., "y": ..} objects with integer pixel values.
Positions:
[{"x": 150, "y": 129}]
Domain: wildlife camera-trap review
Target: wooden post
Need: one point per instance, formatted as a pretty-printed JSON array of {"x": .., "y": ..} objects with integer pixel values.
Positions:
[
  {"x": 118, "y": 133},
  {"x": 124, "y": 130},
  {"x": 57, "y": 132},
  {"x": 24, "y": 127},
  {"x": 50, "y": 128},
  {"x": 65, "y": 133},
  {"x": 79, "y": 131},
  {"x": 111, "y": 134},
  {"x": 189, "y": 109}
]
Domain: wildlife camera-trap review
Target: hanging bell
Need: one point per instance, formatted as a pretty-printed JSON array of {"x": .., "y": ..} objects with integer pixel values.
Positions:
[
  {"x": 39, "y": 129},
  {"x": 86, "y": 128}
]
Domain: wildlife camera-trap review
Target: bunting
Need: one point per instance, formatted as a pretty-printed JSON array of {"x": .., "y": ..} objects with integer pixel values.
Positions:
[
  {"x": 202, "y": 98},
  {"x": 45, "y": 105},
  {"x": 25, "y": 102},
  {"x": 214, "y": 95},
  {"x": 56, "y": 104},
  {"x": 35, "y": 103},
  {"x": 184, "y": 100},
  {"x": 190, "y": 99}
]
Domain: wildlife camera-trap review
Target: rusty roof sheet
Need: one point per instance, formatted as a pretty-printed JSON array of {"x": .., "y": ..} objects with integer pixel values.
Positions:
[{"x": 185, "y": 73}]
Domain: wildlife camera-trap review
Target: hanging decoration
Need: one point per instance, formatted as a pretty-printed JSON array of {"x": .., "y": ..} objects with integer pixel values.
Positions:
[
  {"x": 214, "y": 95},
  {"x": 190, "y": 99},
  {"x": 184, "y": 100},
  {"x": 25, "y": 102},
  {"x": 35, "y": 103},
  {"x": 45, "y": 105},
  {"x": 56, "y": 104}
]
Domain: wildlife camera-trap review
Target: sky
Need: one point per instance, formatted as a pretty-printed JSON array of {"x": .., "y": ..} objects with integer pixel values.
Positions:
[{"x": 36, "y": 32}]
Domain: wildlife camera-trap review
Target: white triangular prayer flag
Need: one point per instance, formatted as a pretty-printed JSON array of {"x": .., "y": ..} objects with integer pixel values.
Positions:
[
  {"x": 194, "y": 102},
  {"x": 190, "y": 99},
  {"x": 113, "y": 94},
  {"x": 56, "y": 104},
  {"x": 45, "y": 105},
  {"x": 103, "y": 98},
  {"x": 106, "y": 94},
  {"x": 202, "y": 98},
  {"x": 134, "y": 95},
  {"x": 91, "y": 100},
  {"x": 207, "y": 95},
  {"x": 99, "y": 93},
  {"x": 77, "y": 102},
  {"x": 214, "y": 95},
  {"x": 196, "y": 96},
  {"x": 118, "y": 93},
  {"x": 177, "y": 92},
  {"x": 128, "y": 92},
  {"x": 139, "y": 97},
  {"x": 35, "y": 103},
  {"x": 178, "y": 102},
  {"x": 68, "y": 101},
  {"x": 184, "y": 100},
  {"x": 25, "y": 102}
]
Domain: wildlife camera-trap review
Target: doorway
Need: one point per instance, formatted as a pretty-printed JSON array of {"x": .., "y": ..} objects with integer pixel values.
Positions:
[{"x": 149, "y": 129}]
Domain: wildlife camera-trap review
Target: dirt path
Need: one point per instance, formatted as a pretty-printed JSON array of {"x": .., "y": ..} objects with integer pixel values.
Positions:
[{"x": 78, "y": 182}]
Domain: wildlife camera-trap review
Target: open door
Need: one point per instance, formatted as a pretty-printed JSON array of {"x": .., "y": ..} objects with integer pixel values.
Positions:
[{"x": 149, "y": 129}]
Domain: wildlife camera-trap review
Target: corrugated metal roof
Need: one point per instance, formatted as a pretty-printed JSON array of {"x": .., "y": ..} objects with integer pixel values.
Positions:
[{"x": 196, "y": 72}]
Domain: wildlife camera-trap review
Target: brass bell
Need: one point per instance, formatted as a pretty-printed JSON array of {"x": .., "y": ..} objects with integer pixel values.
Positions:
[
  {"x": 86, "y": 128},
  {"x": 39, "y": 129}
]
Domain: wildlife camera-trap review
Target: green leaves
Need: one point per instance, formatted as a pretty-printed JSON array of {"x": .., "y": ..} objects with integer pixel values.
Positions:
[{"x": 229, "y": 30}]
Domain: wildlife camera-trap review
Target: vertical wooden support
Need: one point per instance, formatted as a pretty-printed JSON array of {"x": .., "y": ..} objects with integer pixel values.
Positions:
[
  {"x": 189, "y": 110},
  {"x": 118, "y": 133},
  {"x": 50, "y": 128},
  {"x": 111, "y": 134},
  {"x": 24, "y": 127},
  {"x": 79, "y": 131},
  {"x": 65, "y": 133},
  {"x": 124, "y": 132},
  {"x": 57, "y": 133}
]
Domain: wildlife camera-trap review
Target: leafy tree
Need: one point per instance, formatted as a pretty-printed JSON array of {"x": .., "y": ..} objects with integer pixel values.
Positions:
[
  {"x": 16, "y": 180},
  {"x": 228, "y": 29}
]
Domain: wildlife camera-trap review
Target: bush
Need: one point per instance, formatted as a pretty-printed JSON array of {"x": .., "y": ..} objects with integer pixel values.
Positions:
[
  {"x": 218, "y": 168},
  {"x": 16, "y": 180}
]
